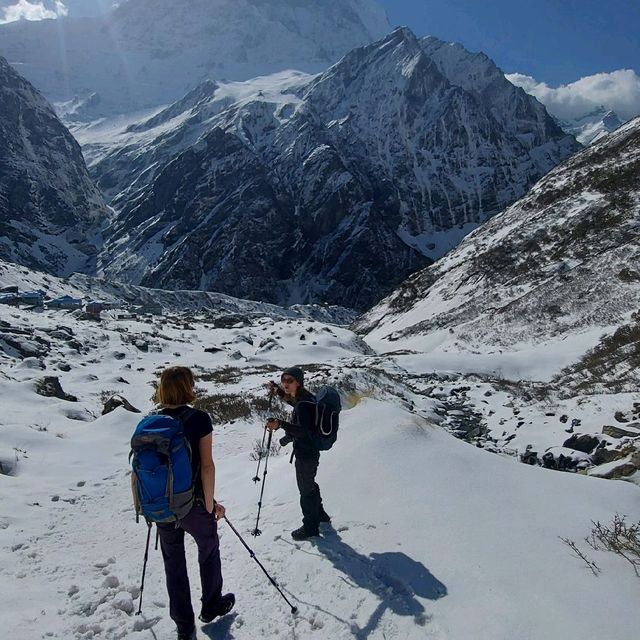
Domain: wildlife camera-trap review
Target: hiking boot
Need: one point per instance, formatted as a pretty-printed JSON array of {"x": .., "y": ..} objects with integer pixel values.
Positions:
[
  {"x": 222, "y": 607},
  {"x": 303, "y": 534},
  {"x": 187, "y": 635}
]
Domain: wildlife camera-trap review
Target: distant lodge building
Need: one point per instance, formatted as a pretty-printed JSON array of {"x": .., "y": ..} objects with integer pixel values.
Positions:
[
  {"x": 94, "y": 308},
  {"x": 64, "y": 302},
  {"x": 148, "y": 309},
  {"x": 13, "y": 296},
  {"x": 31, "y": 298}
]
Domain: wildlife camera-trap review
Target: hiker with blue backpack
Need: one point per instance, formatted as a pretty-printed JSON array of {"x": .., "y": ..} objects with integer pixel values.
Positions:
[
  {"x": 305, "y": 430},
  {"x": 174, "y": 483}
]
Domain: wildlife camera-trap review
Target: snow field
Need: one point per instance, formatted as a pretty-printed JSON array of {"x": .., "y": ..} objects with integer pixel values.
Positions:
[{"x": 433, "y": 538}]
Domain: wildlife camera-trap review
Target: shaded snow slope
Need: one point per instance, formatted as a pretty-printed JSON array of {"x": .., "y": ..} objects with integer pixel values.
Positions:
[{"x": 559, "y": 261}]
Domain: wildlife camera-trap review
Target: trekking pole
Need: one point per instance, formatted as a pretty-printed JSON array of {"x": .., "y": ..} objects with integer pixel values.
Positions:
[
  {"x": 256, "y": 532},
  {"x": 144, "y": 568},
  {"x": 294, "y": 609},
  {"x": 256, "y": 478}
]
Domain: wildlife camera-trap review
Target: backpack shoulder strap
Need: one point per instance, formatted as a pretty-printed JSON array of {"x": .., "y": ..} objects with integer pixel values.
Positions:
[{"x": 184, "y": 414}]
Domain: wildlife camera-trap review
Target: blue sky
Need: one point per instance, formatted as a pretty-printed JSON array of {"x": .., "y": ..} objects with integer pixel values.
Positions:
[
  {"x": 570, "y": 54},
  {"x": 555, "y": 41}
]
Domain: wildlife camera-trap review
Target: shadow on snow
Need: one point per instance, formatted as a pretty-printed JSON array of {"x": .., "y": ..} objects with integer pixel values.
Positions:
[
  {"x": 220, "y": 629},
  {"x": 395, "y": 578}
]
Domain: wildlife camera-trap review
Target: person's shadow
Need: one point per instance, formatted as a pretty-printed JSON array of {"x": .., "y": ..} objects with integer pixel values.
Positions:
[
  {"x": 395, "y": 578},
  {"x": 220, "y": 629}
]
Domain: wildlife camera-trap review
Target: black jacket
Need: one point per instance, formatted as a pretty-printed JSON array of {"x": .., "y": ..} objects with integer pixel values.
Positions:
[{"x": 302, "y": 426}]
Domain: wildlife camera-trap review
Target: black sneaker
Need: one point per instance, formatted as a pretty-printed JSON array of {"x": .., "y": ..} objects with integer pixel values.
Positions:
[
  {"x": 187, "y": 635},
  {"x": 224, "y": 605},
  {"x": 303, "y": 534}
]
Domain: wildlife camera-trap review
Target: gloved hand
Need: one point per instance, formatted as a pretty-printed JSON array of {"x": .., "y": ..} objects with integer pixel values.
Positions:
[{"x": 285, "y": 440}]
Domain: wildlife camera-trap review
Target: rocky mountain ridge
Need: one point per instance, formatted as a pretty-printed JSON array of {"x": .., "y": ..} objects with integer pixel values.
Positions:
[
  {"x": 558, "y": 265},
  {"x": 50, "y": 210},
  {"x": 331, "y": 188}
]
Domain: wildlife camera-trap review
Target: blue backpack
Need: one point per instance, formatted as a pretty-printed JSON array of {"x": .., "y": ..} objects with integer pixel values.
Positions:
[
  {"x": 328, "y": 407},
  {"x": 162, "y": 475}
]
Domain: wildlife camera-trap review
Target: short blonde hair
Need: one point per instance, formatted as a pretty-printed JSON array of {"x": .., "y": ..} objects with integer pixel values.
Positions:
[{"x": 176, "y": 386}]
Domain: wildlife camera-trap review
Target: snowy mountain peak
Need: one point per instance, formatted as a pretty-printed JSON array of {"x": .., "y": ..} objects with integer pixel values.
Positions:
[
  {"x": 593, "y": 126},
  {"x": 147, "y": 53},
  {"x": 380, "y": 160},
  {"x": 472, "y": 71}
]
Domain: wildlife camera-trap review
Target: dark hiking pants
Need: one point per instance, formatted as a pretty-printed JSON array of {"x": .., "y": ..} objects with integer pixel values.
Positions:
[
  {"x": 202, "y": 526},
  {"x": 310, "y": 499}
]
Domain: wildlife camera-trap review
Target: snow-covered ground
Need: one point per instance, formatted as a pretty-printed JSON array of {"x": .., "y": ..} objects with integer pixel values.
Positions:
[{"x": 431, "y": 537}]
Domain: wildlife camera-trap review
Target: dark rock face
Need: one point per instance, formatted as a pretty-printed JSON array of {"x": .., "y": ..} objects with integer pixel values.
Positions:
[
  {"x": 327, "y": 198},
  {"x": 22, "y": 343},
  {"x": 48, "y": 204},
  {"x": 631, "y": 430},
  {"x": 50, "y": 387},
  {"x": 118, "y": 401}
]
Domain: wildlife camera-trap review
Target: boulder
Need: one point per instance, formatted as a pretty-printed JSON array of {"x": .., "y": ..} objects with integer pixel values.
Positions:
[
  {"x": 530, "y": 457},
  {"x": 31, "y": 363},
  {"x": 23, "y": 345},
  {"x": 8, "y": 466},
  {"x": 631, "y": 430},
  {"x": 142, "y": 345},
  {"x": 618, "y": 469},
  {"x": 211, "y": 350},
  {"x": 123, "y": 602},
  {"x": 50, "y": 387},
  {"x": 268, "y": 344},
  {"x": 602, "y": 455}
]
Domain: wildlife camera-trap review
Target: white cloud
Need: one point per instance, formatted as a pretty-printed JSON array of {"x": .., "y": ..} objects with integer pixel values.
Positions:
[
  {"x": 26, "y": 10},
  {"x": 618, "y": 90}
]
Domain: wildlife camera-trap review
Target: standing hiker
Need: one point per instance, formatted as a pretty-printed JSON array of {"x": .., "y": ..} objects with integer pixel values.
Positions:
[
  {"x": 301, "y": 430},
  {"x": 175, "y": 392}
]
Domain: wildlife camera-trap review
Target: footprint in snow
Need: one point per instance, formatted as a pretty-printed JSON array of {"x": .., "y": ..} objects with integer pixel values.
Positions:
[
  {"x": 141, "y": 623},
  {"x": 105, "y": 563}
]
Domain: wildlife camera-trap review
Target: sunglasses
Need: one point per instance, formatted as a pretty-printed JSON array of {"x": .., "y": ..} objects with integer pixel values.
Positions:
[{"x": 287, "y": 380}]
